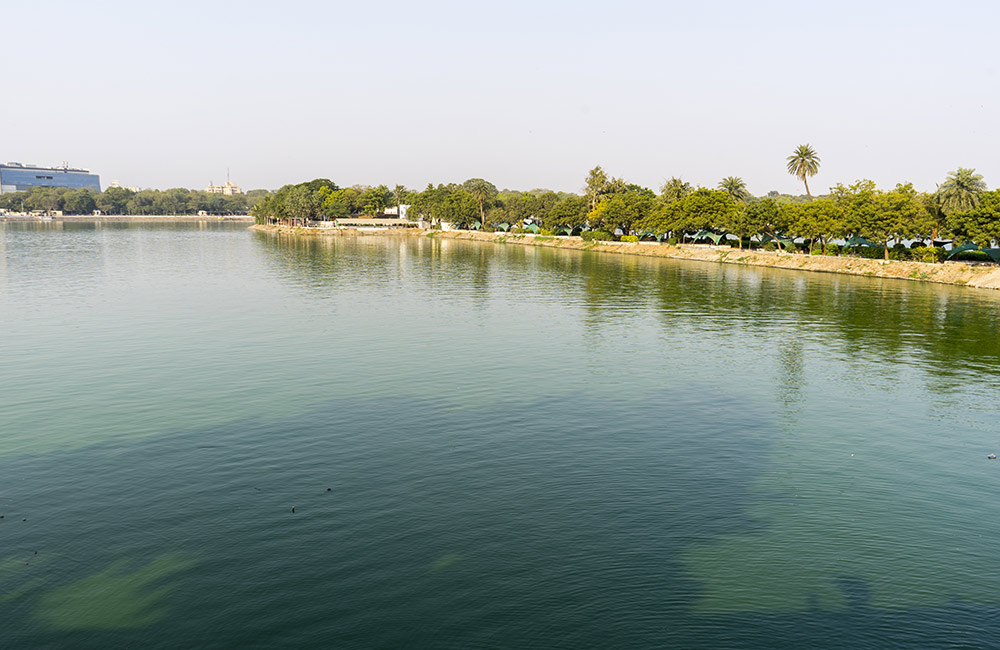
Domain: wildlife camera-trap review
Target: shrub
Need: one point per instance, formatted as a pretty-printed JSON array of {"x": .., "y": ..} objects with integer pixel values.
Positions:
[
  {"x": 770, "y": 246},
  {"x": 516, "y": 231},
  {"x": 899, "y": 252},
  {"x": 596, "y": 235},
  {"x": 831, "y": 249},
  {"x": 816, "y": 250},
  {"x": 672, "y": 241},
  {"x": 973, "y": 256},
  {"x": 630, "y": 238},
  {"x": 867, "y": 252},
  {"x": 546, "y": 232},
  {"x": 929, "y": 254},
  {"x": 917, "y": 244}
]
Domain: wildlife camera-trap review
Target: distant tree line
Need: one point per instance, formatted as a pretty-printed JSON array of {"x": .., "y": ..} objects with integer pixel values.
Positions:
[
  {"x": 120, "y": 200},
  {"x": 961, "y": 209}
]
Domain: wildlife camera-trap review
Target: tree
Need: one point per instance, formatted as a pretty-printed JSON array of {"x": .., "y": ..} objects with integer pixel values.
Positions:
[
  {"x": 980, "y": 225},
  {"x": 335, "y": 204},
  {"x": 79, "y": 202},
  {"x": 596, "y": 186},
  {"x": 399, "y": 194},
  {"x": 674, "y": 190},
  {"x": 458, "y": 207},
  {"x": 802, "y": 163},
  {"x": 482, "y": 191},
  {"x": 665, "y": 218},
  {"x": 735, "y": 187},
  {"x": 374, "y": 200},
  {"x": 623, "y": 209},
  {"x": 708, "y": 209},
  {"x": 936, "y": 218},
  {"x": 878, "y": 216},
  {"x": 821, "y": 220},
  {"x": 768, "y": 217},
  {"x": 960, "y": 191},
  {"x": 303, "y": 203},
  {"x": 741, "y": 225},
  {"x": 570, "y": 212}
]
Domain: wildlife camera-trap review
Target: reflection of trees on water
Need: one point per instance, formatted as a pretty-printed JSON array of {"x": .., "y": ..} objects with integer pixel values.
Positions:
[
  {"x": 950, "y": 329},
  {"x": 790, "y": 376}
]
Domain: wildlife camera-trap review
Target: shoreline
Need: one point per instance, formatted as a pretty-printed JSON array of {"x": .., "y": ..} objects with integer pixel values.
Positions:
[
  {"x": 163, "y": 218},
  {"x": 985, "y": 276}
]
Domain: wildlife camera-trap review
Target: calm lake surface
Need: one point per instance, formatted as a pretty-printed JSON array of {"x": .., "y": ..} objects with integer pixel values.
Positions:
[{"x": 485, "y": 446}]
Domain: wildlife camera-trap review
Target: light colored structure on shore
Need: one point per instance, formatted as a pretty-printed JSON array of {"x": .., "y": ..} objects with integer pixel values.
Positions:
[
  {"x": 370, "y": 224},
  {"x": 401, "y": 212},
  {"x": 228, "y": 189},
  {"x": 119, "y": 185}
]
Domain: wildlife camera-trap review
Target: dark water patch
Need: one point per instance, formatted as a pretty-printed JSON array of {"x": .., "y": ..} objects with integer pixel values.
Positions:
[
  {"x": 519, "y": 524},
  {"x": 541, "y": 524}
]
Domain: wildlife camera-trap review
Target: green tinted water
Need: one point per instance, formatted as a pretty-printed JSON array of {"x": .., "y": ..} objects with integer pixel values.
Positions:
[{"x": 485, "y": 446}]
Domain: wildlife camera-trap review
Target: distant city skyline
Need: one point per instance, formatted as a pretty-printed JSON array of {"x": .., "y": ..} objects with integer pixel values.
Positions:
[{"x": 523, "y": 94}]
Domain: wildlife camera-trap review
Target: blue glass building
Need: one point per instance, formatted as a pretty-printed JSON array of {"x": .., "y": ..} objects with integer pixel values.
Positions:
[{"x": 15, "y": 177}]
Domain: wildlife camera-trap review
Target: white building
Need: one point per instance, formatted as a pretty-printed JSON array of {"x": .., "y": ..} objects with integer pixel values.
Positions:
[
  {"x": 401, "y": 213},
  {"x": 229, "y": 189},
  {"x": 117, "y": 184}
]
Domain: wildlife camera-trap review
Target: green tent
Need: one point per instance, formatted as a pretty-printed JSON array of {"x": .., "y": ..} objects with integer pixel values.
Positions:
[
  {"x": 708, "y": 234},
  {"x": 994, "y": 253},
  {"x": 784, "y": 242},
  {"x": 858, "y": 240}
]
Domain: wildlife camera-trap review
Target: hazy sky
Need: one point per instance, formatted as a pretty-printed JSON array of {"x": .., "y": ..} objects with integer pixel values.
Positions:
[{"x": 525, "y": 94}]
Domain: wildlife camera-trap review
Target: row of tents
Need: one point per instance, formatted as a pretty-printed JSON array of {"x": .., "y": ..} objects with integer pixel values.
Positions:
[{"x": 717, "y": 237}]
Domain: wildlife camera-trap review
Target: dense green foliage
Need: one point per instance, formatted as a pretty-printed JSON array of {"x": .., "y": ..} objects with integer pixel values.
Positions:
[
  {"x": 873, "y": 222},
  {"x": 120, "y": 200}
]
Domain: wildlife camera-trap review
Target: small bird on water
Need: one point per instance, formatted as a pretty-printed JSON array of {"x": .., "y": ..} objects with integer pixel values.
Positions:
[
  {"x": 992, "y": 456},
  {"x": 293, "y": 508}
]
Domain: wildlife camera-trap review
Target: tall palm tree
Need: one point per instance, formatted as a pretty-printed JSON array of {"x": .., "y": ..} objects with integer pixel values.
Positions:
[
  {"x": 804, "y": 162},
  {"x": 397, "y": 195},
  {"x": 482, "y": 191},
  {"x": 960, "y": 191},
  {"x": 735, "y": 187}
]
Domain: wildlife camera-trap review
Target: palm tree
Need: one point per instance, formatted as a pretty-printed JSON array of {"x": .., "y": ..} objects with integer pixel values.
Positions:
[
  {"x": 804, "y": 162},
  {"x": 397, "y": 195},
  {"x": 482, "y": 191},
  {"x": 735, "y": 187},
  {"x": 960, "y": 191},
  {"x": 597, "y": 185},
  {"x": 674, "y": 190}
]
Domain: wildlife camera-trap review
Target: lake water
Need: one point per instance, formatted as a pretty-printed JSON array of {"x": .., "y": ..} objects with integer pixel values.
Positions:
[{"x": 485, "y": 446}]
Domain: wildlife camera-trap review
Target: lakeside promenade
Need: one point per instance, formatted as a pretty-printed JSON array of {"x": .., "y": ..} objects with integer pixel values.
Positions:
[{"x": 981, "y": 276}]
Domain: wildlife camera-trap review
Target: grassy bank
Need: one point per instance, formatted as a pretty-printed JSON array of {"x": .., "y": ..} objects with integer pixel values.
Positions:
[{"x": 985, "y": 276}]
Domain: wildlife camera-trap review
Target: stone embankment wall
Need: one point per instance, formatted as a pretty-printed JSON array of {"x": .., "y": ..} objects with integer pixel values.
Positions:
[{"x": 985, "y": 276}]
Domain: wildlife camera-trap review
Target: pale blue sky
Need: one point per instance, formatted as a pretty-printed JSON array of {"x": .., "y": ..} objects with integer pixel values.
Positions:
[{"x": 525, "y": 94}]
